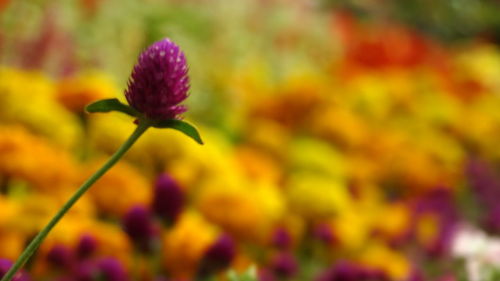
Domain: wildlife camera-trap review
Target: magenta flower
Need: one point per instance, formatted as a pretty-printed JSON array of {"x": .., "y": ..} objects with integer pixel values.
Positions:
[
  {"x": 217, "y": 257},
  {"x": 138, "y": 225},
  {"x": 86, "y": 246},
  {"x": 168, "y": 199},
  {"x": 159, "y": 82}
]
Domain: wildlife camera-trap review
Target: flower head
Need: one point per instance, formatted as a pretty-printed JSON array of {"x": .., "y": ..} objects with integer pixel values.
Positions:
[
  {"x": 138, "y": 224},
  {"x": 60, "y": 256},
  {"x": 218, "y": 256},
  {"x": 86, "y": 246},
  {"x": 168, "y": 199},
  {"x": 159, "y": 81}
]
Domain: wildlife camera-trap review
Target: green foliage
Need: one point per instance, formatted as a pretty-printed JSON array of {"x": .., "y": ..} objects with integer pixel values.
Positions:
[
  {"x": 249, "y": 275},
  {"x": 181, "y": 126},
  {"x": 108, "y": 105}
]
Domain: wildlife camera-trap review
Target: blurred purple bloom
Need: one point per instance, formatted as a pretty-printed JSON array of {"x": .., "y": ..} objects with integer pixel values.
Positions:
[
  {"x": 485, "y": 184},
  {"x": 347, "y": 271},
  {"x": 60, "y": 256},
  {"x": 85, "y": 271},
  {"x": 168, "y": 199},
  {"x": 284, "y": 265},
  {"x": 86, "y": 246},
  {"x": 111, "y": 269},
  {"x": 159, "y": 81},
  {"x": 218, "y": 256},
  {"x": 5, "y": 266},
  {"x": 138, "y": 224},
  {"x": 282, "y": 239},
  {"x": 324, "y": 233},
  {"x": 439, "y": 203},
  {"x": 416, "y": 275},
  {"x": 264, "y": 274}
]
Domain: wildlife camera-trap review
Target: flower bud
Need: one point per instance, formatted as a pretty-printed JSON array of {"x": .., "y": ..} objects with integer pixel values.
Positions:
[
  {"x": 138, "y": 225},
  {"x": 159, "y": 81},
  {"x": 168, "y": 199},
  {"x": 217, "y": 257},
  {"x": 86, "y": 246}
]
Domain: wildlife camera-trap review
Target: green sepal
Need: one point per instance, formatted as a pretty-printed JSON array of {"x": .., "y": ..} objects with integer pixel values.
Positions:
[
  {"x": 181, "y": 126},
  {"x": 108, "y": 105}
]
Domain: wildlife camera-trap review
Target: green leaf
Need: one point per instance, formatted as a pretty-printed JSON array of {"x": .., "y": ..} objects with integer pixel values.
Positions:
[
  {"x": 249, "y": 275},
  {"x": 108, "y": 105},
  {"x": 181, "y": 126}
]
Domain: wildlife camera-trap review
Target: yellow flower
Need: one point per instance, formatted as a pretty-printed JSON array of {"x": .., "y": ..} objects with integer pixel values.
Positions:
[
  {"x": 340, "y": 125},
  {"x": 316, "y": 196},
  {"x": 352, "y": 228},
  {"x": 247, "y": 211},
  {"x": 378, "y": 255},
  {"x": 311, "y": 155},
  {"x": 29, "y": 99},
  {"x": 52, "y": 170},
  {"x": 77, "y": 91},
  {"x": 393, "y": 220},
  {"x": 258, "y": 165},
  {"x": 184, "y": 245},
  {"x": 427, "y": 229},
  {"x": 119, "y": 189}
]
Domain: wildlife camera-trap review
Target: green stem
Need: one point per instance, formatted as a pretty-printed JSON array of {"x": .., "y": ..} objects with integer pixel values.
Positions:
[{"x": 35, "y": 243}]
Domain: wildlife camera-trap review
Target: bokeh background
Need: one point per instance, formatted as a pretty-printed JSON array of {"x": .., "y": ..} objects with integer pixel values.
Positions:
[{"x": 344, "y": 141}]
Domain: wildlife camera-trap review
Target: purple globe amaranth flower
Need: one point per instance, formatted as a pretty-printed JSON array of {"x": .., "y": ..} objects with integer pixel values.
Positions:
[
  {"x": 348, "y": 271},
  {"x": 159, "y": 81},
  {"x": 284, "y": 265},
  {"x": 139, "y": 226},
  {"x": 324, "y": 233},
  {"x": 112, "y": 270},
  {"x": 86, "y": 246},
  {"x": 168, "y": 199},
  {"x": 281, "y": 238},
  {"x": 5, "y": 266},
  {"x": 217, "y": 257},
  {"x": 60, "y": 256}
]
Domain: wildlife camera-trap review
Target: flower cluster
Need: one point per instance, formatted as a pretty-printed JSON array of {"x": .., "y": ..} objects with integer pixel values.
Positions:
[{"x": 370, "y": 156}]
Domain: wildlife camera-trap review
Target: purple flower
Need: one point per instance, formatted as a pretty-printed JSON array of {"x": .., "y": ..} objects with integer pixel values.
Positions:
[
  {"x": 5, "y": 266},
  {"x": 347, "y": 271},
  {"x": 282, "y": 239},
  {"x": 217, "y": 257},
  {"x": 85, "y": 271},
  {"x": 485, "y": 185},
  {"x": 264, "y": 274},
  {"x": 168, "y": 199},
  {"x": 112, "y": 270},
  {"x": 159, "y": 81},
  {"x": 324, "y": 233},
  {"x": 138, "y": 224},
  {"x": 440, "y": 204},
  {"x": 284, "y": 265},
  {"x": 60, "y": 256},
  {"x": 86, "y": 246}
]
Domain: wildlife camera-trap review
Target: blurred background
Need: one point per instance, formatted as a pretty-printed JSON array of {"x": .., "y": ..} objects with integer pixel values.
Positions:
[{"x": 344, "y": 141}]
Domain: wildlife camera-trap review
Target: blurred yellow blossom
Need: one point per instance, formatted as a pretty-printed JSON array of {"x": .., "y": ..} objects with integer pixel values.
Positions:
[
  {"x": 119, "y": 189},
  {"x": 392, "y": 262},
  {"x": 51, "y": 170},
  {"x": 77, "y": 91},
  {"x": 42, "y": 114},
  {"x": 235, "y": 207},
  {"x": 184, "y": 245},
  {"x": 316, "y": 196}
]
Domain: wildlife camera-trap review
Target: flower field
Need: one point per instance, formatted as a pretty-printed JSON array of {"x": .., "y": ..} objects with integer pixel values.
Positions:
[{"x": 341, "y": 143}]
